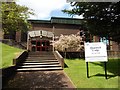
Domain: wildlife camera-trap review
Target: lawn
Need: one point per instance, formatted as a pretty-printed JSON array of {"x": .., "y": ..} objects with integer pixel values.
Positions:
[
  {"x": 76, "y": 70},
  {"x": 8, "y": 53}
]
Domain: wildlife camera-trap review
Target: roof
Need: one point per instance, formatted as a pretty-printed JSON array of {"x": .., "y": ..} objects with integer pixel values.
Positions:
[
  {"x": 59, "y": 20},
  {"x": 66, "y": 20},
  {"x": 39, "y": 21}
]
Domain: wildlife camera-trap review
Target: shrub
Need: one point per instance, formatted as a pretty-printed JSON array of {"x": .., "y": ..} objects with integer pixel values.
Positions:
[{"x": 70, "y": 42}]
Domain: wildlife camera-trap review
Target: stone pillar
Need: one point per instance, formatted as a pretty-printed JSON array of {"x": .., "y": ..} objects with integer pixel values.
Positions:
[{"x": 18, "y": 36}]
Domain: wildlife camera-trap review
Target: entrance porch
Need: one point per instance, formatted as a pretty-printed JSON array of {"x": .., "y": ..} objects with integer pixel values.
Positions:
[{"x": 40, "y": 40}]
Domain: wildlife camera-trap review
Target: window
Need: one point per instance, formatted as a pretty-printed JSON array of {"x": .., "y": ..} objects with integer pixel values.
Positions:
[
  {"x": 106, "y": 41},
  {"x": 43, "y": 43},
  {"x": 33, "y": 43},
  {"x": 38, "y": 44}
]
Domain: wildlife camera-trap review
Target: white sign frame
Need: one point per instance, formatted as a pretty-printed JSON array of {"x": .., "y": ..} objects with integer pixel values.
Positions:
[{"x": 95, "y": 51}]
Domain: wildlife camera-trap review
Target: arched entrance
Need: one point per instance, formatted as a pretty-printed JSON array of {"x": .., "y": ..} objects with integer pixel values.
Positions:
[{"x": 39, "y": 40}]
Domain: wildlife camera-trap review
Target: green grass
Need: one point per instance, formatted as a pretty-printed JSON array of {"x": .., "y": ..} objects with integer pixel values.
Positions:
[
  {"x": 8, "y": 53},
  {"x": 76, "y": 70}
]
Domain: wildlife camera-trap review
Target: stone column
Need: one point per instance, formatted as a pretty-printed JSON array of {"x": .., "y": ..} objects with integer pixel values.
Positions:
[{"x": 18, "y": 36}]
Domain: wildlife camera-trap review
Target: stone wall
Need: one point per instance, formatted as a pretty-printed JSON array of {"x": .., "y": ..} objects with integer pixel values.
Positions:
[{"x": 18, "y": 36}]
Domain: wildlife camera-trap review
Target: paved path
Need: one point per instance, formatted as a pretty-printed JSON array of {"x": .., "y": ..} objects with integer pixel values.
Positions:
[
  {"x": 50, "y": 79},
  {"x": 40, "y": 79}
]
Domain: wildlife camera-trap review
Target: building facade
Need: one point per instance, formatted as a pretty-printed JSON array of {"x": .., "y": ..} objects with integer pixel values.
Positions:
[
  {"x": 56, "y": 26},
  {"x": 49, "y": 31}
]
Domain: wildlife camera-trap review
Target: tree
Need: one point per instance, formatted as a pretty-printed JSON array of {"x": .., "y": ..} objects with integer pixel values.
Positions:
[
  {"x": 101, "y": 18},
  {"x": 70, "y": 42},
  {"x": 14, "y": 17}
]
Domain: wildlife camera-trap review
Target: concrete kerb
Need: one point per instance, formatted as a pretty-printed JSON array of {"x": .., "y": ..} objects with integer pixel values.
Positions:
[
  {"x": 58, "y": 56},
  {"x": 69, "y": 79}
]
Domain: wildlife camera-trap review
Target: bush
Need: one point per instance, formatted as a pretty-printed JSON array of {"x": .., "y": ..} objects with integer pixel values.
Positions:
[{"x": 70, "y": 42}]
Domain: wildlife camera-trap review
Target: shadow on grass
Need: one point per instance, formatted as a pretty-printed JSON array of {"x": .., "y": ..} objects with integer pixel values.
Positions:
[
  {"x": 112, "y": 67},
  {"x": 103, "y": 75},
  {"x": 65, "y": 65}
]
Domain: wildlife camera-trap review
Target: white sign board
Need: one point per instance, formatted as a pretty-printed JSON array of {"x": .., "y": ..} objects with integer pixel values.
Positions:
[{"x": 95, "y": 51}]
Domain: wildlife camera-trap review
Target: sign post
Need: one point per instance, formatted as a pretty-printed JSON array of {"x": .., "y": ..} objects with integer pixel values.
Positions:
[
  {"x": 95, "y": 52},
  {"x": 87, "y": 70},
  {"x": 105, "y": 69}
]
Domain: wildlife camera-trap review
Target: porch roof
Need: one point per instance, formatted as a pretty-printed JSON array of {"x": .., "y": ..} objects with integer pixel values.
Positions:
[{"x": 40, "y": 33}]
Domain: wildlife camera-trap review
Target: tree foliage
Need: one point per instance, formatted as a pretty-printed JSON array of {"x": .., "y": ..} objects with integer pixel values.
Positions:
[
  {"x": 70, "y": 42},
  {"x": 101, "y": 18},
  {"x": 14, "y": 17}
]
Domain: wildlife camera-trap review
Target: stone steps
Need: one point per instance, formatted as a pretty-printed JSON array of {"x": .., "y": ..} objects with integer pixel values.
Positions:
[
  {"x": 42, "y": 61},
  {"x": 39, "y": 69},
  {"x": 37, "y": 62},
  {"x": 41, "y": 55},
  {"x": 38, "y": 66}
]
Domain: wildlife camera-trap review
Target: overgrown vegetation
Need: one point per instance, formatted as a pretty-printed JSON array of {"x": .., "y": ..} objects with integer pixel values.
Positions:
[
  {"x": 76, "y": 70},
  {"x": 8, "y": 53}
]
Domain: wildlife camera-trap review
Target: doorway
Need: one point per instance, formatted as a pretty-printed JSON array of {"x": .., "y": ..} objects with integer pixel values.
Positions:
[{"x": 40, "y": 45}]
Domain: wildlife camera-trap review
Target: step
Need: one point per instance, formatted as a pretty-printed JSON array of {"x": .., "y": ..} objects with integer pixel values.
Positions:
[
  {"x": 41, "y": 59},
  {"x": 40, "y": 69},
  {"x": 44, "y": 63},
  {"x": 40, "y": 53},
  {"x": 41, "y": 56},
  {"x": 38, "y": 66}
]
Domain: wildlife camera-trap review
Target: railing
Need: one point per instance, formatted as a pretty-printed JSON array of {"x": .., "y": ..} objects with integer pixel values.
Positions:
[
  {"x": 59, "y": 58},
  {"x": 113, "y": 54},
  {"x": 73, "y": 54},
  {"x": 76, "y": 54}
]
